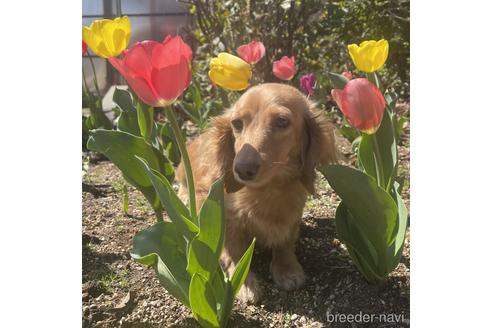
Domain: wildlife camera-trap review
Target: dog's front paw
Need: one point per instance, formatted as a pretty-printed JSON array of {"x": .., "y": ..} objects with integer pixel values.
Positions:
[
  {"x": 250, "y": 292},
  {"x": 288, "y": 276}
]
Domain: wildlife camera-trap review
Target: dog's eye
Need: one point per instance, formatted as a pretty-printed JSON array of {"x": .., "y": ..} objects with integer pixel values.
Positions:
[
  {"x": 237, "y": 124},
  {"x": 282, "y": 122}
]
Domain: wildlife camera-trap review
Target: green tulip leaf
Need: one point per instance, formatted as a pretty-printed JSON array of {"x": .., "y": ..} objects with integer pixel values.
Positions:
[
  {"x": 352, "y": 236},
  {"x": 177, "y": 211},
  {"x": 349, "y": 132},
  {"x": 169, "y": 141},
  {"x": 226, "y": 304},
  {"x": 197, "y": 97},
  {"x": 387, "y": 147},
  {"x": 395, "y": 250},
  {"x": 363, "y": 253},
  {"x": 205, "y": 249},
  {"x": 125, "y": 199},
  {"x": 97, "y": 118},
  {"x": 391, "y": 98},
  {"x": 338, "y": 81},
  {"x": 191, "y": 111},
  {"x": 145, "y": 118},
  {"x": 161, "y": 247},
  {"x": 128, "y": 120},
  {"x": 219, "y": 285},
  {"x": 373, "y": 209},
  {"x": 203, "y": 302},
  {"x": 121, "y": 147},
  {"x": 242, "y": 269}
]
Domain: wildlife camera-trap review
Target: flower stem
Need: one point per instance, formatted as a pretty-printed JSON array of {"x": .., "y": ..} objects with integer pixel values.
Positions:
[
  {"x": 95, "y": 77},
  {"x": 379, "y": 162},
  {"x": 85, "y": 81},
  {"x": 373, "y": 78},
  {"x": 186, "y": 159},
  {"x": 92, "y": 106}
]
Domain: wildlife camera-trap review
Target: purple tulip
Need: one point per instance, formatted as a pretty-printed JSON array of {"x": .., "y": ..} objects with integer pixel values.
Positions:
[{"x": 308, "y": 82}]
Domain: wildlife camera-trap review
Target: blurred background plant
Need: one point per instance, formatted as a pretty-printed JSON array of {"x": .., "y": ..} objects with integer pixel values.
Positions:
[{"x": 316, "y": 32}]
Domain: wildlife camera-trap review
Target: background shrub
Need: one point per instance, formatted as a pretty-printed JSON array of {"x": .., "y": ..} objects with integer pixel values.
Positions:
[{"x": 317, "y": 32}]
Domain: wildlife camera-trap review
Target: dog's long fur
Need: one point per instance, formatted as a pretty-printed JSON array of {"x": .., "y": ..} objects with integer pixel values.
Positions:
[{"x": 270, "y": 208}]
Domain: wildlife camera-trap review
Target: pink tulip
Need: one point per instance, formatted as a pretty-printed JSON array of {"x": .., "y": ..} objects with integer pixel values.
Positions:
[
  {"x": 157, "y": 72},
  {"x": 348, "y": 75},
  {"x": 361, "y": 103},
  {"x": 285, "y": 68},
  {"x": 251, "y": 52},
  {"x": 308, "y": 82}
]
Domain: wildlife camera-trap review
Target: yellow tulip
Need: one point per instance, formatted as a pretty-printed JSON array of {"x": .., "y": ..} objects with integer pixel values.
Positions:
[
  {"x": 230, "y": 72},
  {"x": 107, "y": 38},
  {"x": 369, "y": 56}
]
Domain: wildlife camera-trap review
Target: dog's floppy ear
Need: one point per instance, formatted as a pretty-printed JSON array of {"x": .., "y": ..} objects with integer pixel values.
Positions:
[
  {"x": 222, "y": 146},
  {"x": 318, "y": 146}
]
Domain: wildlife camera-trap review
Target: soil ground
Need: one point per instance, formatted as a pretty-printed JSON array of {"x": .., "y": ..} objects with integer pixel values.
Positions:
[{"x": 119, "y": 292}]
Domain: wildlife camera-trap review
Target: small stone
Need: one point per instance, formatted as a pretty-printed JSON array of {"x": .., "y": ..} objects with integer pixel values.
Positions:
[
  {"x": 85, "y": 310},
  {"x": 293, "y": 317}
]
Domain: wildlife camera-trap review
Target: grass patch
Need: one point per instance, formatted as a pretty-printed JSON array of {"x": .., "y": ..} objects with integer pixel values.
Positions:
[
  {"x": 110, "y": 279},
  {"x": 88, "y": 248}
]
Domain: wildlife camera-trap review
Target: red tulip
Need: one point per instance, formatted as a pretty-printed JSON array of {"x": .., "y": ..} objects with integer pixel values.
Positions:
[
  {"x": 348, "y": 75},
  {"x": 157, "y": 72},
  {"x": 84, "y": 47},
  {"x": 251, "y": 52},
  {"x": 285, "y": 68},
  {"x": 361, "y": 103}
]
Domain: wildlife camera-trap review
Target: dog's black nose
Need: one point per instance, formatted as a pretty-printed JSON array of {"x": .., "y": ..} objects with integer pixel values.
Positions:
[
  {"x": 246, "y": 170},
  {"x": 247, "y": 162}
]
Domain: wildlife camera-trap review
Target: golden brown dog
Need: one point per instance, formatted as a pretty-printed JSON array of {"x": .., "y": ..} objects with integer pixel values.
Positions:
[{"x": 266, "y": 148}]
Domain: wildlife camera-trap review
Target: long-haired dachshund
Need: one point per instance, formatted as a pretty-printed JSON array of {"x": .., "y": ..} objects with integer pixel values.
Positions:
[{"x": 266, "y": 148}]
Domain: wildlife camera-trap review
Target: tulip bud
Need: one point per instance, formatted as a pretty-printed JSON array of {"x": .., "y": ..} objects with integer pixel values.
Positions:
[
  {"x": 285, "y": 68},
  {"x": 308, "y": 82},
  {"x": 361, "y": 103},
  {"x": 251, "y": 52},
  {"x": 369, "y": 56},
  {"x": 347, "y": 75},
  {"x": 230, "y": 72}
]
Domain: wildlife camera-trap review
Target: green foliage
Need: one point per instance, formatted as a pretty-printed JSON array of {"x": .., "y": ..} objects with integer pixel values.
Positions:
[
  {"x": 206, "y": 247},
  {"x": 137, "y": 135},
  {"x": 387, "y": 147},
  {"x": 93, "y": 116},
  {"x": 370, "y": 221},
  {"x": 338, "y": 81},
  {"x": 185, "y": 252},
  {"x": 96, "y": 118},
  {"x": 128, "y": 119},
  {"x": 198, "y": 110},
  {"x": 161, "y": 247},
  {"x": 242, "y": 268},
  {"x": 203, "y": 302},
  {"x": 145, "y": 118},
  {"x": 125, "y": 199},
  {"x": 121, "y": 147}
]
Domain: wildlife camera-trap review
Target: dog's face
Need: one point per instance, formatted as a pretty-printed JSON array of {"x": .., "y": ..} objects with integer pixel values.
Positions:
[{"x": 269, "y": 129}]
